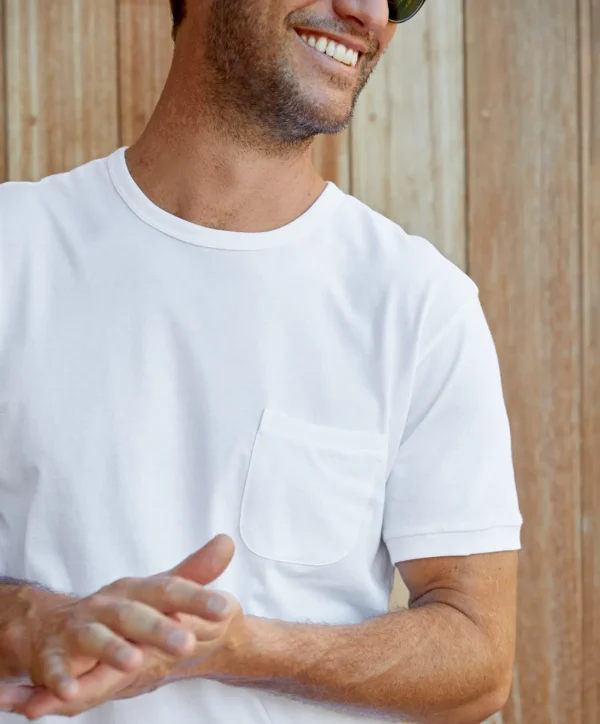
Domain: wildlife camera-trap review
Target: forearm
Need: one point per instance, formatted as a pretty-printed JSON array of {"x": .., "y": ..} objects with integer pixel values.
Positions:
[
  {"x": 20, "y": 606},
  {"x": 429, "y": 664}
]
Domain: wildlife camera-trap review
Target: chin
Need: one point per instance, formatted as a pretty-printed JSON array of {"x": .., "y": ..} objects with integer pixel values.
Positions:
[
  {"x": 332, "y": 126},
  {"x": 330, "y": 115},
  {"x": 304, "y": 115}
]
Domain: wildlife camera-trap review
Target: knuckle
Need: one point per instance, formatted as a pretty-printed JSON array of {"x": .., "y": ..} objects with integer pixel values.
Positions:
[
  {"x": 70, "y": 625},
  {"x": 123, "y": 584},
  {"x": 169, "y": 584},
  {"x": 97, "y": 600},
  {"x": 159, "y": 627},
  {"x": 89, "y": 635},
  {"x": 174, "y": 586},
  {"x": 124, "y": 612},
  {"x": 78, "y": 635}
]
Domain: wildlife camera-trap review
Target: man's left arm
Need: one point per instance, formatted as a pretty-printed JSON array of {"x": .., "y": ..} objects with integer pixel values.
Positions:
[{"x": 447, "y": 659}]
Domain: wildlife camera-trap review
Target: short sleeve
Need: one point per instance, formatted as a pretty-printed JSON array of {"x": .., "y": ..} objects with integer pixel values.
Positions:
[{"x": 451, "y": 491}]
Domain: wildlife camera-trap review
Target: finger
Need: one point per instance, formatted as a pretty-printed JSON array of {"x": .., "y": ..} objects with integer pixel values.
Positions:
[
  {"x": 13, "y": 696},
  {"x": 56, "y": 675},
  {"x": 143, "y": 624},
  {"x": 207, "y": 564},
  {"x": 94, "y": 688},
  {"x": 99, "y": 642},
  {"x": 171, "y": 594},
  {"x": 40, "y": 703},
  {"x": 203, "y": 630}
]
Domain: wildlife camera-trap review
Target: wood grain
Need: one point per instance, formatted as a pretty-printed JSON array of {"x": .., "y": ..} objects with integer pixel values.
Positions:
[
  {"x": 83, "y": 76},
  {"x": 408, "y": 151},
  {"x": 61, "y": 68},
  {"x": 524, "y": 233},
  {"x": 407, "y": 139},
  {"x": 145, "y": 55},
  {"x": 590, "y": 112},
  {"x": 331, "y": 156}
]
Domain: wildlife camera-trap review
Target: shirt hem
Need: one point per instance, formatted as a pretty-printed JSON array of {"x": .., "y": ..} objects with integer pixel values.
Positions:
[{"x": 463, "y": 543}]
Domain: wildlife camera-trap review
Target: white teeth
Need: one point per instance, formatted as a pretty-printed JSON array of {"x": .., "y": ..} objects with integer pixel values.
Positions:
[
  {"x": 339, "y": 52},
  {"x": 322, "y": 44}
]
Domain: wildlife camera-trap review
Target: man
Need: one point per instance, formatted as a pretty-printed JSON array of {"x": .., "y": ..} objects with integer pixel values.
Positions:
[{"x": 203, "y": 345}]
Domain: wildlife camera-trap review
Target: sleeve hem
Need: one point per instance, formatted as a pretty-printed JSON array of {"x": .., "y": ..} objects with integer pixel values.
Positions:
[{"x": 464, "y": 543}]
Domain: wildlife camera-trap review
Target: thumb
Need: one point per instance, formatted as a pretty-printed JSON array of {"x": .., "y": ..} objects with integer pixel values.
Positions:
[{"x": 207, "y": 564}]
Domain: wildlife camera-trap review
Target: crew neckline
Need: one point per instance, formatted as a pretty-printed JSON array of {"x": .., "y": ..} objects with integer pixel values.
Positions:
[{"x": 151, "y": 214}]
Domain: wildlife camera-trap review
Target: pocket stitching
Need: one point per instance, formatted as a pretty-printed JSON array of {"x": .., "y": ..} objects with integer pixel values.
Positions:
[
  {"x": 279, "y": 424},
  {"x": 268, "y": 417}
]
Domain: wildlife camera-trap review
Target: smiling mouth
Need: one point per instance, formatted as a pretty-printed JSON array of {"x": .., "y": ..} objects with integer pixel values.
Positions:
[{"x": 336, "y": 51}]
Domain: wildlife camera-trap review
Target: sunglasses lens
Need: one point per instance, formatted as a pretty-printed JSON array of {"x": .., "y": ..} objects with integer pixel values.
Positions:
[{"x": 403, "y": 10}]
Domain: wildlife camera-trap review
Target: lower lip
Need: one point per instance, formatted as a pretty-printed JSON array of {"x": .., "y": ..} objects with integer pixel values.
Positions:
[{"x": 329, "y": 61}]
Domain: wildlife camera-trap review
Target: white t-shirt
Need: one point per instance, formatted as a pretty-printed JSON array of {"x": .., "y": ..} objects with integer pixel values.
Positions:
[{"x": 328, "y": 394}]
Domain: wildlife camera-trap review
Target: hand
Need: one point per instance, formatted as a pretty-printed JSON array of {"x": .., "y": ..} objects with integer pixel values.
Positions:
[
  {"x": 93, "y": 638},
  {"x": 105, "y": 683}
]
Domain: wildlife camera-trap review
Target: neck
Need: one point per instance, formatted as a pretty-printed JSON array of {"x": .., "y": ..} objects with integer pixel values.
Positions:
[{"x": 197, "y": 162}]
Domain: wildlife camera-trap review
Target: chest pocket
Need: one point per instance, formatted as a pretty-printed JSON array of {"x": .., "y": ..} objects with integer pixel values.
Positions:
[{"x": 308, "y": 489}]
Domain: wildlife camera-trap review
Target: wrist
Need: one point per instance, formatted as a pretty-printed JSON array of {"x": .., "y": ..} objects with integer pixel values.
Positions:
[
  {"x": 21, "y": 621},
  {"x": 257, "y": 650}
]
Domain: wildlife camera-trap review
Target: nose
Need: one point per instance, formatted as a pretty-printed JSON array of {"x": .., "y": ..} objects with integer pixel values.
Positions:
[{"x": 372, "y": 15}]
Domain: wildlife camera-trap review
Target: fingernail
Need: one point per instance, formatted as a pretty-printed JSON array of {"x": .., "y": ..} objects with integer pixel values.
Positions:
[
  {"x": 177, "y": 639},
  {"x": 125, "y": 656},
  {"x": 68, "y": 688},
  {"x": 217, "y": 604}
]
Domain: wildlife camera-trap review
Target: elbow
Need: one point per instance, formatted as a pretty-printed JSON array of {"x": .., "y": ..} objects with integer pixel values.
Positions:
[
  {"x": 492, "y": 703},
  {"x": 481, "y": 708},
  {"x": 485, "y": 706},
  {"x": 498, "y": 694}
]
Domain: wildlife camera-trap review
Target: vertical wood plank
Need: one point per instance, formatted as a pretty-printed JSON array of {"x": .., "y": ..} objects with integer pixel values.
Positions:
[
  {"x": 3, "y": 145},
  {"x": 145, "y": 55},
  {"x": 590, "y": 112},
  {"x": 331, "y": 156},
  {"x": 408, "y": 151},
  {"x": 62, "y": 96},
  {"x": 524, "y": 233}
]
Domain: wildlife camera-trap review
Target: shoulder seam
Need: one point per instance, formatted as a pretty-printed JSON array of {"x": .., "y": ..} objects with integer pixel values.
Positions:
[{"x": 449, "y": 326}]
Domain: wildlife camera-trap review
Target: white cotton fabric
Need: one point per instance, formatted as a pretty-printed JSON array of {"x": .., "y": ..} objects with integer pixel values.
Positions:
[{"x": 327, "y": 393}]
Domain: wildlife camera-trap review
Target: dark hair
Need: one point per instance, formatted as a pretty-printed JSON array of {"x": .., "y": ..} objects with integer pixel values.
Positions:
[{"x": 178, "y": 13}]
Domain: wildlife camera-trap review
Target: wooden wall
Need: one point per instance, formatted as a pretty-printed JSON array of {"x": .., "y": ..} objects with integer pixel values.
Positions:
[{"x": 481, "y": 131}]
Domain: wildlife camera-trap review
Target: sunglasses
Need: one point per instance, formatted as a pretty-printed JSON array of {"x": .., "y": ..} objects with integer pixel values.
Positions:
[{"x": 403, "y": 10}]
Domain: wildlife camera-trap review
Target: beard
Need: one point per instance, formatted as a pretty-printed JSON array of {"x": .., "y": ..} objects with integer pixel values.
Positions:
[{"x": 255, "y": 85}]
